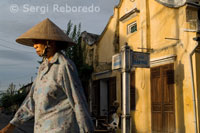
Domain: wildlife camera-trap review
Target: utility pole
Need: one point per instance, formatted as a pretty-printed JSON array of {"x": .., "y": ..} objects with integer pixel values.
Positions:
[
  {"x": 125, "y": 60},
  {"x": 126, "y": 66}
]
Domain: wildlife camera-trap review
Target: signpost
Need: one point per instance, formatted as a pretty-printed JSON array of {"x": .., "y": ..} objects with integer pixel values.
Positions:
[
  {"x": 124, "y": 61},
  {"x": 137, "y": 59}
]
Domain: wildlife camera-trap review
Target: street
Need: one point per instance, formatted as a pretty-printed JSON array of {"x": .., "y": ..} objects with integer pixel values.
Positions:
[{"x": 25, "y": 128}]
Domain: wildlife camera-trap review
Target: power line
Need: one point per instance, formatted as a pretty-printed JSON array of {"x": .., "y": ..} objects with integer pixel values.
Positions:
[
  {"x": 10, "y": 42},
  {"x": 6, "y": 41},
  {"x": 11, "y": 65},
  {"x": 1, "y": 45}
]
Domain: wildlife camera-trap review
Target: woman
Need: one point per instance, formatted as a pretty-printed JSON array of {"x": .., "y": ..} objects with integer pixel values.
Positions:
[{"x": 56, "y": 99}]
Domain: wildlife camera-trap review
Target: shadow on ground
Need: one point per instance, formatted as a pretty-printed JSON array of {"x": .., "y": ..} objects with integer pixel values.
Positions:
[{"x": 25, "y": 128}]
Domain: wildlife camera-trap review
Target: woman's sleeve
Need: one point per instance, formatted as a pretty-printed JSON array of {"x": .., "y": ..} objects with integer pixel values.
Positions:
[
  {"x": 26, "y": 110},
  {"x": 75, "y": 93}
]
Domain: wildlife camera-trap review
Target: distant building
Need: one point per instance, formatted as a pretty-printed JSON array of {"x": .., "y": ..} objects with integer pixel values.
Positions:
[
  {"x": 89, "y": 47},
  {"x": 25, "y": 88}
]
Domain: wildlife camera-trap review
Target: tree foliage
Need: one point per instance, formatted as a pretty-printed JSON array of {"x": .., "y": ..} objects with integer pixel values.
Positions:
[
  {"x": 75, "y": 53},
  {"x": 11, "y": 99}
]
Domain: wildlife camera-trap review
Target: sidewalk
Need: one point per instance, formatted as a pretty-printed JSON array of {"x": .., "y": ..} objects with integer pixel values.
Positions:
[{"x": 25, "y": 128}]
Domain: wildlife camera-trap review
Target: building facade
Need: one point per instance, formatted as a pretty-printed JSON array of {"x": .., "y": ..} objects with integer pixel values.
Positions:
[{"x": 164, "y": 97}]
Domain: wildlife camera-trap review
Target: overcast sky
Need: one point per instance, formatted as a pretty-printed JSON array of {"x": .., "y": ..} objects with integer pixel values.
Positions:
[{"x": 18, "y": 63}]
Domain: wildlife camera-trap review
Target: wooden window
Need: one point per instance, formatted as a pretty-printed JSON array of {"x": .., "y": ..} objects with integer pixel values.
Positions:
[
  {"x": 191, "y": 14},
  {"x": 131, "y": 28}
]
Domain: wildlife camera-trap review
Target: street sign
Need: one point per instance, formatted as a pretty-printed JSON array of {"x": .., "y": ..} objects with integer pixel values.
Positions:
[
  {"x": 140, "y": 59},
  {"x": 116, "y": 61}
]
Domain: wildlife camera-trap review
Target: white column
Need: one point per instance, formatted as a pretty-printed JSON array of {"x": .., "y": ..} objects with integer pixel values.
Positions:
[{"x": 126, "y": 124}]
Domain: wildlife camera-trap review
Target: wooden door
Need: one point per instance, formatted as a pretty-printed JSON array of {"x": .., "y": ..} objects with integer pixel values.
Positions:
[
  {"x": 162, "y": 98},
  {"x": 111, "y": 96},
  {"x": 112, "y": 92}
]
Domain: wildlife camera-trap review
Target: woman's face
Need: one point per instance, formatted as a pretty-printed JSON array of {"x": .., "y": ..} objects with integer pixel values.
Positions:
[{"x": 39, "y": 47}]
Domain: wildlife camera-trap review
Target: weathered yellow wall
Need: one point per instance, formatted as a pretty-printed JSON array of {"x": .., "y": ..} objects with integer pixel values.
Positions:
[
  {"x": 155, "y": 23},
  {"x": 134, "y": 38},
  {"x": 162, "y": 23},
  {"x": 105, "y": 47},
  {"x": 141, "y": 117}
]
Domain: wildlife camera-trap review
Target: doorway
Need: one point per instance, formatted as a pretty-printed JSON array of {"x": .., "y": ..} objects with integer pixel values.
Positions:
[
  {"x": 104, "y": 95},
  {"x": 162, "y": 98}
]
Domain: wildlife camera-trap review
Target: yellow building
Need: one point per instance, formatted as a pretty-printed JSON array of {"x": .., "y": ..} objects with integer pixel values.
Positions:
[{"x": 164, "y": 97}]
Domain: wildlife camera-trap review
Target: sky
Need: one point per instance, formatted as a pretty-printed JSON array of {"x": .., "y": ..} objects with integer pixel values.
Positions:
[{"x": 18, "y": 63}]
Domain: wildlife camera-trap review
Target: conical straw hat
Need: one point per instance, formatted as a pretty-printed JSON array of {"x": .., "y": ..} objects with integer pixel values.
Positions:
[{"x": 45, "y": 30}]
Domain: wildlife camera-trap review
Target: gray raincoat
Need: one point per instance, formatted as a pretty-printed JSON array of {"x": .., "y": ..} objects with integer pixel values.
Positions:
[{"x": 56, "y": 100}]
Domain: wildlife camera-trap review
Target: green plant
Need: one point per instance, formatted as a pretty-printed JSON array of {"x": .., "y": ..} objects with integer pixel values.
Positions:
[
  {"x": 11, "y": 99},
  {"x": 75, "y": 53}
]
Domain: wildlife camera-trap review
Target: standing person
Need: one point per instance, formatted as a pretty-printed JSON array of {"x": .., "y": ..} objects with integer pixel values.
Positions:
[{"x": 56, "y": 99}]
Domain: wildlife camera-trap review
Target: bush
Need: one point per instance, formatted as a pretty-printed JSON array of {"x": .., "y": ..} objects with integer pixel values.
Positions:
[{"x": 11, "y": 99}]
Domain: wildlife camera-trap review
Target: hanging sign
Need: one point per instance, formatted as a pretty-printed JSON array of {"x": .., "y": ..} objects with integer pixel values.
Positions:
[{"x": 116, "y": 61}]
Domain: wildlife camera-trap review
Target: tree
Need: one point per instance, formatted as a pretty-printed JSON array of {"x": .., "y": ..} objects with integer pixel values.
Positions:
[
  {"x": 11, "y": 99},
  {"x": 11, "y": 89},
  {"x": 75, "y": 53},
  {"x": 8, "y": 98}
]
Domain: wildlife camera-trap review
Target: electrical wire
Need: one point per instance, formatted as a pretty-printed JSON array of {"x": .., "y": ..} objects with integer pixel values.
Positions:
[
  {"x": 11, "y": 42},
  {"x": 1, "y": 45},
  {"x": 11, "y": 65},
  {"x": 7, "y": 41}
]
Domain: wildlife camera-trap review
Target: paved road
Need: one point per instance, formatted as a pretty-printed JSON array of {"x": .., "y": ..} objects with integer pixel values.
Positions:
[{"x": 25, "y": 128}]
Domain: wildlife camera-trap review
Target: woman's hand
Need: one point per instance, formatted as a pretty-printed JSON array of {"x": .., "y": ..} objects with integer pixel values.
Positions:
[{"x": 8, "y": 129}]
